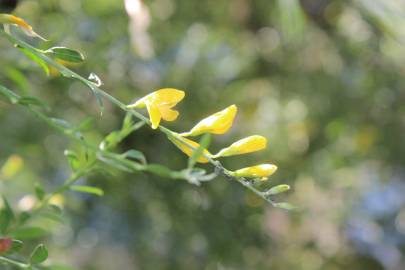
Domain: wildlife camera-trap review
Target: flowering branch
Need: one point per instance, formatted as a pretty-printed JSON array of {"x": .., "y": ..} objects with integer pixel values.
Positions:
[{"x": 219, "y": 168}]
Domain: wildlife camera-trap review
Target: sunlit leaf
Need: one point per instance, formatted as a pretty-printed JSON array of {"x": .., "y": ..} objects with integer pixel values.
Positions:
[
  {"x": 65, "y": 54},
  {"x": 36, "y": 59},
  {"x": 88, "y": 189}
]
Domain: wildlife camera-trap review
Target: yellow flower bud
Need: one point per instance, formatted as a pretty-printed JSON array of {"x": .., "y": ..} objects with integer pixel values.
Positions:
[
  {"x": 11, "y": 19},
  {"x": 57, "y": 200},
  {"x": 159, "y": 104},
  {"x": 261, "y": 171},
  {"x": 247, "y": 145},
  {"x": 188, "y": 151},
  {"x": 218, "y": 123}
]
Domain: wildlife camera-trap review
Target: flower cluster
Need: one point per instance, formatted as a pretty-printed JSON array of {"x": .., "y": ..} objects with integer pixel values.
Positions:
[{"x": 159, "y": 105}]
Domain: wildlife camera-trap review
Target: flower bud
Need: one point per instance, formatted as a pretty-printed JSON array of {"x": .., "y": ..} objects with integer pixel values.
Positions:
[
  {"x": 261, "y": 171},
  {"x": 244, "y": 146},
  {"x": 218, "y": 123}
]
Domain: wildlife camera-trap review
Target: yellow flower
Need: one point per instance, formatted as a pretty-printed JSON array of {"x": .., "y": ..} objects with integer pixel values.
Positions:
[
  {"x": 259, "y": 171},
  {"x": 159, "y": 104},
  {"x": 218, "y": 123},
  {"x": 188, "y": 151},
  {"x": 244, "y": 146},
  {"x": 11, "y": 19}
]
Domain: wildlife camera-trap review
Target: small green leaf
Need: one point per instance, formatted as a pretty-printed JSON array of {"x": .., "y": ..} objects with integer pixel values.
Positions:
[
  {"x": 73, "y": 159},
  {"x": 115, "y": 137},
  {"x": 277, "y": 189},
  {"x": 36, "y": 59},
  {"x": 39, "y": 255},
  {"x": 284, "y": 205},
  {"x": 6, "y": 216},
  {"x": 10, "y": 95},
  {"x": 110, "y": 141},
  {"x": 119, "y": 163},
  {"x": 65, "y": 54},
  {"x": 26, "y": 100},
  {"x": 128, "y": 122},
  {"x": 39, "y": 191},
  {"x": 135, "y": 155},
  {"x": 16, "y": 246},
  {"x": 88, "y": 189},
  {"x": 204, "y": 143}
]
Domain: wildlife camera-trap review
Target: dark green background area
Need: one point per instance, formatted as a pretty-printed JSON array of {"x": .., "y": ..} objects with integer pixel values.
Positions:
[{"x": 322, "y": 80}]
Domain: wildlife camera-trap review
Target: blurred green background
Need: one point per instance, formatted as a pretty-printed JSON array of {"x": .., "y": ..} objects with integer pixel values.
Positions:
[{"x": 323, "y": 80}]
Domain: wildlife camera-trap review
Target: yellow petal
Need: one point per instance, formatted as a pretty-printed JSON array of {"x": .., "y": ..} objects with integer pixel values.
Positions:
[
  {"x": 168, "y": 97},
  {"x": 154, "y": 115},
  {"x": 218, "y": 123},
  {"x": 188, "y": 151},
  {"x": 259, "y": 171},
  {"x": 159, "y": 103},
  {"x": 247, "y": 145},
  {"x": 168, "y": 114}
]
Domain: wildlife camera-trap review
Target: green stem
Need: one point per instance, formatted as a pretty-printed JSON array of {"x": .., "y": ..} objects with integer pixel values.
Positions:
[
  {"x": 70, "y": 74},
  {"x": 13, "y": 262}
]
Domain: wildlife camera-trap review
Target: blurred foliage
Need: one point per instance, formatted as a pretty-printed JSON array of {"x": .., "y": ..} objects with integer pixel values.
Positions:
[{"x": 322, "y": 80}]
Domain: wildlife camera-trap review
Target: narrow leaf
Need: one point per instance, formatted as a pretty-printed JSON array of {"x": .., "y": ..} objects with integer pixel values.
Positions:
[
  {"x": 26, "y": 100},
  {"x": 6, "y": 216},
  {"x": 284, "y": 205},
  {"x": 135, "y": 154},
  {"x": 204, "y": 143},
  {"x": 10, "y": 95},
  {"x": 88, "y": 189},
  {"x": 36, "y": 59},
  {"x": 65, "y": 54},
  {"x": 39, "y": 191}
]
